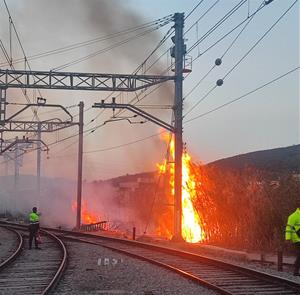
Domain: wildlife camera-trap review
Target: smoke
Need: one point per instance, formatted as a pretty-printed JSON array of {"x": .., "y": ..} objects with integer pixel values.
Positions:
[
  {"x": 19, "y": 195},
  {"x": 44, "y": 25},
  {"x": 101, "y": 201}
]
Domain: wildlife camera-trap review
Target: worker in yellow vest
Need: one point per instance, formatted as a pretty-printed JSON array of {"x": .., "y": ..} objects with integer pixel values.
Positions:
[
  {"x": 292, "y": 233},
  {"x": 34, "y": 226}
]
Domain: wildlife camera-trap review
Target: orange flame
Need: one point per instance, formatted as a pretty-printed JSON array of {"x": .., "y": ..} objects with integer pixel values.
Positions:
[
  {"x": 86, "y": 217},
  {"x": 192, "y": 229}
]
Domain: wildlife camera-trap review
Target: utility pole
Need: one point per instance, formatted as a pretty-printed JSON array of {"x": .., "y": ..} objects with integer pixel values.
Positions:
[
  {"x": 38, "y": 164},
  {"x": 80, "y": 156},
  {"x": 178, "y": 105}
]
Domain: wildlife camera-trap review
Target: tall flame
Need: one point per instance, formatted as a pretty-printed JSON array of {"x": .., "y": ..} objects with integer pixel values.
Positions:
[{"x": 192, "y": 229}]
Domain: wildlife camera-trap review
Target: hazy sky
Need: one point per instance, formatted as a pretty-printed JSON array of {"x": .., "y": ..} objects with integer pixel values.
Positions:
[{"x": 266, "y": 119}]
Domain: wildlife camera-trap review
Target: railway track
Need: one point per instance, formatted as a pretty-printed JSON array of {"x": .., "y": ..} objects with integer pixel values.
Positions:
[
  {"x": 222, "y": 277},
  {"x": 33, "y": 271},
  {"x": 8, "y": 255}
]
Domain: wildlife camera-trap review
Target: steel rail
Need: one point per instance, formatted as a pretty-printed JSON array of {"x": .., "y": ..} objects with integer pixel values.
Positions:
[
  {"x": 63, "y": 261},
  {"x": 17, "y": 252},
  {"x": 62, "y": 265},
  {"x": 214, "y": 267}
]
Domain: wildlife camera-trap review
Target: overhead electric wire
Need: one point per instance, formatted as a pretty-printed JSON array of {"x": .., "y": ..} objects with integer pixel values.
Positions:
[
  {"x": 242, "y": 96},
  {"x": 215, "y": 26},
  {"x": 110, "y": 47},
  {"x": 242, "y": 58},
  {"x": 193, "y": 9},
  {"x": 214, "y": 66},
  {"x": 161, "y": 42},
  {"x": 125, "y": 144},
  {"x": 91, "y": 41},
  {"x": 248, "y": 18},
  {"x": 202, "y": 16},
  {"x": 23, "y": 51},
  {"x": 259, "y": 40}
]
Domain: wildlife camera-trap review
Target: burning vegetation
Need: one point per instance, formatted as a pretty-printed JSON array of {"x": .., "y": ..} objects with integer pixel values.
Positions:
[{"x": 240, "y": 209}]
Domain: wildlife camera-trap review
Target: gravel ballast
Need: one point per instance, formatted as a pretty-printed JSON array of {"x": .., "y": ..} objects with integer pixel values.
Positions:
[{"x": 96, "y": 270}]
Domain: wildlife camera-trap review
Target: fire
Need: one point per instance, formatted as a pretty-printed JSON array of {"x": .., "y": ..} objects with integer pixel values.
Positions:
[
  {"x": 86, "y": 216},
  {"x": 192, "y": 229}
]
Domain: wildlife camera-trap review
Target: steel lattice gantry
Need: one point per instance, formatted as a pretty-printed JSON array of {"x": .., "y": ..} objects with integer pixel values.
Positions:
[
  {"x": 78, "y": 81},
  {"x": 35, "y": 126}
]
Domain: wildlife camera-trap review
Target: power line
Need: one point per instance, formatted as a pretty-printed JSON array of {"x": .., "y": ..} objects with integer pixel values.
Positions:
[
  {"x": 189, "y": 14},
  {"x": 241, "y": 59},
  {"x": 125, "y": 144},
  {"x": 214, "y": 66},
  {"x": 243, "y": 96},
  {"x": 161, "y": 42},
  {"x": 260, "y": 39},
  {"x": 117, "y": 44},
  {"x": 91, "y": 41},
  {"x": 220, "y": 22},
  {"x": 202, "y": 16},
  {"x": 248, "y": 18},
  {"x": 19, "y": 41}
]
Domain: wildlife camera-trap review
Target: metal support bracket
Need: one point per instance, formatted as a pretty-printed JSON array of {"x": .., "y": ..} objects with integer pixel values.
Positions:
[{"x": 137, "y": 111}]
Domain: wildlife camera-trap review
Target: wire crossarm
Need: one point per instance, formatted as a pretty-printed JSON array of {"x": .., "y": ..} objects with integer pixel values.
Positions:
[
  {"x": 78, "y": 81},
  {"x": 137, "y": 111}
]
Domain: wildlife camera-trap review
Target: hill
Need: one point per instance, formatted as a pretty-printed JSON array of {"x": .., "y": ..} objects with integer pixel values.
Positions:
[{"x": 279, "y": 160}]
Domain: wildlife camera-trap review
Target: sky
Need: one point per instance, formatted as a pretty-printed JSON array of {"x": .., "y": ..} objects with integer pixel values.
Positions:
[{"x": 266, "y": 119}]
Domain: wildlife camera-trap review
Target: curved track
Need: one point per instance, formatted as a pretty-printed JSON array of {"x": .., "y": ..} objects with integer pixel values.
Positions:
[
  {"x": 11, "y": 254},
  {"x": 35, "y": 271},
  {"x": 222, "y": 277}
]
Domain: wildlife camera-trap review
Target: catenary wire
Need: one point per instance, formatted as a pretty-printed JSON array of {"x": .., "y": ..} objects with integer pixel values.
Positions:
[
  {"x": 117, "y": 44},
  {"x": 193, "y": 9},
  {"x": 241, "y": 59},
  {"x": 242, "y": 96},
  {"x": 214, "y": 66},
  {"x": 89, "y": 42}
]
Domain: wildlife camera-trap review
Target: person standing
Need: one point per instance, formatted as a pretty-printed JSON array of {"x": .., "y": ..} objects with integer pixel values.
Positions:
[
  {"x": 292, "y": 233},
  {"x": 34, "y": 226}
]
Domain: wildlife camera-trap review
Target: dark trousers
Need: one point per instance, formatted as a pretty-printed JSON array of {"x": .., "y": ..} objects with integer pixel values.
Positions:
[
  {"x": 33, "y": 231},
  {"x": 297, "y": 262}
]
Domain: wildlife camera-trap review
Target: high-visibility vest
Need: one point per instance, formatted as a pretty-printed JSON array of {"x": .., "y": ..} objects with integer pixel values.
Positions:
[
  {"x": 293, "y": 225},
  {"x": 34, "y": 217}
]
